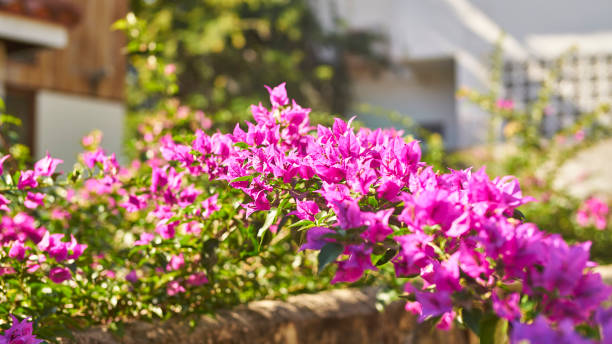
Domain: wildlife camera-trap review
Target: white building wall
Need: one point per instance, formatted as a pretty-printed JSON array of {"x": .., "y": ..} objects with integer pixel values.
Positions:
[
  {"x": 468, "y": 30},
  {"x": 61, "y": 121}
]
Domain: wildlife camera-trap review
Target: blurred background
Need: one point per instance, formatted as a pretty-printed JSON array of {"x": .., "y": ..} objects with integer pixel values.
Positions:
[{"x": 522, "y": 87}]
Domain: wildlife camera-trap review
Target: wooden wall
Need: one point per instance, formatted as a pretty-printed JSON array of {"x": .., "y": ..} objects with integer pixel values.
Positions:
[{"x": 92, "y": 64}]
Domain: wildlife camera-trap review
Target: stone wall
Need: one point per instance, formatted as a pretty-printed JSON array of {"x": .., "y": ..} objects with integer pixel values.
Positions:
[{"x": 338, "y": 316}]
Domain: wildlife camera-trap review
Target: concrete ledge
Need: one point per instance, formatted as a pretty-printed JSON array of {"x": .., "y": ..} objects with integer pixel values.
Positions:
[{"x": 338, "y": 316}]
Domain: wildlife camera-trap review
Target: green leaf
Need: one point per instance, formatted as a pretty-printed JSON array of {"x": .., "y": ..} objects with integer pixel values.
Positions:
[
  {"x": 243, "y": 179},
  {"x": 493, "y": 330},
  {"x": 302, "y": 223},
  {"x": 389, "y": 254},
  {"x": 120, "y": 24},
  {"x": 373, "y": 202},
  {"x": 518, "y": 215},
  {"x": 242, "y": 145},
  {"x": 328, "y": 254},
  {"x": 283, "y": 204},
  {"x": 471, "y": 319},
  {"x": 437, "y": 250},
  {"x": 270, "y": 218}
]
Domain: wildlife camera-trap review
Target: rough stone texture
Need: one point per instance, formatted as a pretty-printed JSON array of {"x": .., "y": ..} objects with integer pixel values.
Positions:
[{"x": 338, "y": 316}]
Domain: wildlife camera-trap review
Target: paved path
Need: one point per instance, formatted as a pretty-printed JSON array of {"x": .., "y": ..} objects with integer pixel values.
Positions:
[{"x": 588, "y": 173}]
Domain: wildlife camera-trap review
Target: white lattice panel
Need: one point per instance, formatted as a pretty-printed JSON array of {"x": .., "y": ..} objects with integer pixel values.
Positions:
[{"x": 584, "y": 82}]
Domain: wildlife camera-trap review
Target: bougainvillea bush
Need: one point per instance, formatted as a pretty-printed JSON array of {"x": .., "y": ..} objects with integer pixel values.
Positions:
[{"x": 107, "y": 242}]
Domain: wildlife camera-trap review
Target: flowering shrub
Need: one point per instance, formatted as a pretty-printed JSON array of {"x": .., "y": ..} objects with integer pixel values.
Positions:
[{"x": 363, "y": 200}]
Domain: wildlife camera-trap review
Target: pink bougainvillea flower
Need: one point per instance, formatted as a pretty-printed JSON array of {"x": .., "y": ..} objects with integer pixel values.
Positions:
[
  {"x": 54, "y": 246},
  {"x": 188, "y": 196},
  {"x": 505, "y": 104},
  {"x": 278, "y": 95},
  {"x": 60, "y": 214},
  {"x": 174, "y": 287},
  {"x": 603, "y": 316},
  {"x": 18, "y": 250},
  {"x": 46, "y": 166},
  {"x": 316, "y": 238},
  {"x": 19, "y": 333},
  {"x": 260, "y": 202},
  {"x": 2, "y": 160},
  {"x": 169, "y": 69},
  {"x": 109, "y": 273},
  {"x": 166, "y": 230},
  {"x": 378, "y": 225},
  {"x": 388, "y": 190},
  {"x": 59, "y": 275},
  {"x": 433, "y": 304},
  {"x": 330, "y": 174},
  {"x": 192, "y": 227},
  {"x": 87, "y": 140},
  {"x": 74, "y": 248},
  {"x": 210, "y": 205},
  {"x": 446, "y": 321},
  {"x": 145, "y": 239},
  {"x": 34, "y": 200},
  {"x": 6, "y": 270},
  {"x": 348, "y": 213},
  {"x": 352, "y": 269},
  {"x": 132, "y": 276},
  {"x": 4, "y": 202},
  {"x": 27, "y": 179},
  {"x": 593, "y": 209},
  {"x": 507, "y": 307},
  {"x": 197, "y": 279},
  {"x": 134, "y": 203},
  {"x": 306, "y": 210},
  {"x": 92, "y": 158},
  {"x": 182, "y": 112},
  {"x": 176, "y": 262},
  {"x": 541, "y": 332},
  {"x": 415, "y": 253}
]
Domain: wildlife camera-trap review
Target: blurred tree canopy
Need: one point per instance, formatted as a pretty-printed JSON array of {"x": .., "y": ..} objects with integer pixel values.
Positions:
[{"x": 217, "y": 55}]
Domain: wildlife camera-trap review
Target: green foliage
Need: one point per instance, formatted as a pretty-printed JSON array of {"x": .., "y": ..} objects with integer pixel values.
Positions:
[
  {"x": 222, "y": 52},
  {"x": 10, "y": 140},
  {"x": 328, "y": 254},
  {"x": 493, "y": 330}
]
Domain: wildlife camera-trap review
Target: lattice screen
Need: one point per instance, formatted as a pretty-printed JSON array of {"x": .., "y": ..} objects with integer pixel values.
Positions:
[{"x": 585, "y": 81}]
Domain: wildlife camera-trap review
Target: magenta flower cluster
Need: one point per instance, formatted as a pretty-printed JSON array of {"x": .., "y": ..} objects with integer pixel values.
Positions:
[{"x": 19, "y": 333}]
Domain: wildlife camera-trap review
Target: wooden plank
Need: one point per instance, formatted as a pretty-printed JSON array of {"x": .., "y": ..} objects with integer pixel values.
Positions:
[{"x": 92, "y": 64}]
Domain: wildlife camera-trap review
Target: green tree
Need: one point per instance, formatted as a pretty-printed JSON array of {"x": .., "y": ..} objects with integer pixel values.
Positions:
[{"x": 222, "y": 52}]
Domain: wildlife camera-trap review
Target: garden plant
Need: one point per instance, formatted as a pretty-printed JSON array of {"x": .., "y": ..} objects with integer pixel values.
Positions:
[{"x": 204, "y": 215}]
